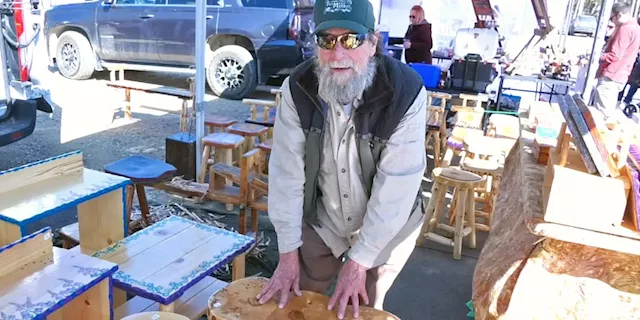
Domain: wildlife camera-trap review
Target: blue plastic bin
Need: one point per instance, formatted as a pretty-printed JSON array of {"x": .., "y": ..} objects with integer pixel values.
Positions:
[
  {"x": 430, "y": 74},
  {"x": 385, "y": 38}
]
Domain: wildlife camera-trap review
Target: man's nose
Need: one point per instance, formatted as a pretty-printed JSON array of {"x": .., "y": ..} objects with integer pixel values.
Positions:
[{"x": 339, "y": 52}]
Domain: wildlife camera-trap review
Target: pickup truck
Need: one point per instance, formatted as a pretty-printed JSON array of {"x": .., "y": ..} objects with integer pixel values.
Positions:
[{"x": 248, "y": 41}]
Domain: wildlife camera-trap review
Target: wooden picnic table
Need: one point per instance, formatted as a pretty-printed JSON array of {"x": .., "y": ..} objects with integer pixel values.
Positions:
[{"x": 185, "y": 95}]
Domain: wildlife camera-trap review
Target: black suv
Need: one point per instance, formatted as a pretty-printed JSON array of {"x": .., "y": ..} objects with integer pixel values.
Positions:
[{"x": 249, "y": 41}]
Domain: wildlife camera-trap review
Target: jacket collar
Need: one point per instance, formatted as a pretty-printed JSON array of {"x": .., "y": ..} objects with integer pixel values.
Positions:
[{"x": 379, "y": 95}]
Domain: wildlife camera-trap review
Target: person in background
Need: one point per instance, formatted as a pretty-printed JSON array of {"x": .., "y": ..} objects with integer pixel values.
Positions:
[
  {"x": 633, "y": 83},
  {"x": 618, "y": 59},
  {"x": 418, "y": 41}
]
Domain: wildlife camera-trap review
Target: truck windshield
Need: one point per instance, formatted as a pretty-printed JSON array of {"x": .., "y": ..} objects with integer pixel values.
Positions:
[{"x": 303, "y": 3}]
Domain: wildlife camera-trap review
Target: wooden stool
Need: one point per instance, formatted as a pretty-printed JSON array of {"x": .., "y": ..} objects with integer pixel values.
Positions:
[
  {"x": 267, "y": 117},
  {"x": 142, "y": 171},
  {"x": 491, "y": 171},
  {"x": 238, "y": 302},
  {"x": 224, "y": 145},
  {"x": 221, "y": 123},
  {"x": 158, "y": 315},
  {"x": 436, "y": 124},
  {"x": 249, "y": 132},
  {"x": 468, "y": 122},
  {"x": 463, "y": 183}
]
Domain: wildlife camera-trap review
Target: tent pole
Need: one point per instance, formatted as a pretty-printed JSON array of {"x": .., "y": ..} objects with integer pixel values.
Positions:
[{"x": 201, "y": 28}]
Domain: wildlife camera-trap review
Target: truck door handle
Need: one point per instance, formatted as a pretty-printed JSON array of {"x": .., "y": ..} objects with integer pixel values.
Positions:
[
  {"x": 209, "y": 17},
  {"x": 146, "y": 16}
]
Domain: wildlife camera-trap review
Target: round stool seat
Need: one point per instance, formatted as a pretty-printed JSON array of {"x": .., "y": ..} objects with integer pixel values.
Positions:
[
  {"x": 248, "y": 129},
  {"x": 222, "y": 140},
  {"x": 481, "y": 166},
  {"x": 456, "y": 177},
  {"x": 238, "y": 302},
  {"x": 155, "y": 315},
  {"x": 141, "y": 169},
  {"x": 218, "y": 121}
]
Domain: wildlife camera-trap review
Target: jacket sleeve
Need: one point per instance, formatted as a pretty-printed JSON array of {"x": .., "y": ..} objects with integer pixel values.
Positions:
[
  {"x": 619, "y": 44},
  {"x": 395, "y": 185},
  {"x": 286, "y": 174}
]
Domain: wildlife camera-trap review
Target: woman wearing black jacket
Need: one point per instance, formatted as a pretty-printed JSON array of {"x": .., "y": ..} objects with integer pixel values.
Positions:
[{"x": 418, "y": 41}]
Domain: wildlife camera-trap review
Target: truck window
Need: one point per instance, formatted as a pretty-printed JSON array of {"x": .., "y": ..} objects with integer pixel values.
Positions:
[
  {"x": 140, "y": 2},
  {"x": 215, "y": 3},
  {"x": 279, "y": 4}
]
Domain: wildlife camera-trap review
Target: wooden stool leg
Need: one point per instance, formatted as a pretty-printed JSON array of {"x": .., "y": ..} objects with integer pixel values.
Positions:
[
  {"x": 238, "y": 269},
  {"x": 448, "y": 156},
  {"x": 242, "y": 221},
  {"x": 436, "y": 191},
  {"x": 461, "y": 199},
  {"x": 495, "y": 188},
  {"x": 205, "y": 159},
  {"x": 144, "y": 205},
  {"x": 130, "y": 190},
  {"x": 470, "y": 212},
  {"x": 167, "y": 307},
  {"x": 226, "y": 156},
  {"x": 254, "y": 221},
  {"x": 127, "y": 108},
  {"x": 184, "y": 115},
  {"x": 436, "y": 148}
]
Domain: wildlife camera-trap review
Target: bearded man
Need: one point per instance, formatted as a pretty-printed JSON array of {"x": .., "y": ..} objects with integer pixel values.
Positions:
[{"x": 346, "y": 165}]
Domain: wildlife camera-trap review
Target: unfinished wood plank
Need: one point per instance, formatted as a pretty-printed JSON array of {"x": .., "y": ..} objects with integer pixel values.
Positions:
[
  {"x": 595, "y": 133},
  {"x": 24, "y": 251},
  {"x": 91, "y": 305},
  {"x": 32, "y": 173},
  {"x": 9, "y": 232},
  {"x": 577, "y": 138},
  {"x": 151, "y": 88}
]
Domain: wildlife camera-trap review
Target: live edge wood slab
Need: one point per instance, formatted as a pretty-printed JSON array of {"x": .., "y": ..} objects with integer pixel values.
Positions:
[
  {"x": 39, "y": 281},
  {"x": 41, "y": 189},
  {"x": 238, "y": 302},
  {"x": 532, "y": 269}
]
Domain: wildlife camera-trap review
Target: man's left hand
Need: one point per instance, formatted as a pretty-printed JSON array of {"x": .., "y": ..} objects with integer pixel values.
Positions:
[{"x": 350, "y": 286}]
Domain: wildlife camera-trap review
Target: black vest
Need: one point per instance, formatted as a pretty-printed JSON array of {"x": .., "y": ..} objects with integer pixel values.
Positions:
[{"x": 384, "y": 104}]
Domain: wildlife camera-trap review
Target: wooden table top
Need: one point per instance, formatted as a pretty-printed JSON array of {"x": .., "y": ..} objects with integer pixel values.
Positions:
[
  {"x": 54, "y": 279},
  {"x": 33, "y": 202},
  {"x": 162, "y": 261}
]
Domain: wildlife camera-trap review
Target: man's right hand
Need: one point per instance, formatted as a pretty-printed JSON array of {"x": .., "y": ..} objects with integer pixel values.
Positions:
[{"x": 285, "y": 279}]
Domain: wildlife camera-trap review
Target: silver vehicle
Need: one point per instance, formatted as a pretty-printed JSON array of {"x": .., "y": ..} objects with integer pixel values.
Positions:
[{"x": 584, "y": 24}]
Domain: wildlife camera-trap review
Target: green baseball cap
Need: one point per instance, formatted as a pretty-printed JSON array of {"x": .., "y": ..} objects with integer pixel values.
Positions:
[{"x": 354, "y": 15}]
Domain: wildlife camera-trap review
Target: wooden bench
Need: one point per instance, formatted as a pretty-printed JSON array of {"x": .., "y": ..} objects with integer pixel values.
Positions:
[
  {"x": 182, "y": 94},
  {"x": 171, "y": 256},
  {"x": 40, "y": 281},
  {"x": 41, "y": 189}
]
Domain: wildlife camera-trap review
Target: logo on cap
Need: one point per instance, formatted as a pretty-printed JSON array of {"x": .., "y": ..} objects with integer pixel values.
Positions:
[{"x": 337, "y": 6}]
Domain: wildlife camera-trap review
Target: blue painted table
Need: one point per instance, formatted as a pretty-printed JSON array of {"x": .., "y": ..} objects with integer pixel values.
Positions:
[
  {"x": 39, "y": 281},
  {"x": 167, "y": 258},
  {"x": 38, "y": 190}
]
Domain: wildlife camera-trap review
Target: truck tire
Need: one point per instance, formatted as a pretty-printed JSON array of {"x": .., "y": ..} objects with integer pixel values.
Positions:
[
  {"x": 232, "y": 72},
  {"x": 74, "y": 56}
]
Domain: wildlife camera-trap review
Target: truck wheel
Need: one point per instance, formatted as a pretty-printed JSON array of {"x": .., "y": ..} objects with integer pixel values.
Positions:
[
  {"x": 74, "y": 56},
  {"x": 232, "y": 72}
]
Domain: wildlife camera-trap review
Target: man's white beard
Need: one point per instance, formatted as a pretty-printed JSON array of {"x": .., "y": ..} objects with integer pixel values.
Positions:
[{"x": 341, "y": 89}]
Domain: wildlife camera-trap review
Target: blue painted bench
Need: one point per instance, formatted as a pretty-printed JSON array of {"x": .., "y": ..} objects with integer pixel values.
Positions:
[
  {"x": 41, "y": 189},
  {"x": 40, "y": 281}
]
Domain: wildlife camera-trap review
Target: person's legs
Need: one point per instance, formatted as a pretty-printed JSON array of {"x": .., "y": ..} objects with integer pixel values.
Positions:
[
  {"x": 633, "y": 88},
  {"x": 606, "y": 96},
  {"x": 318, "y": 266}
]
